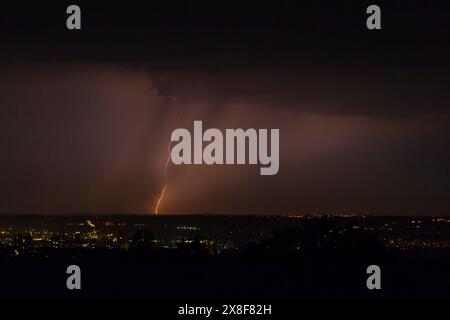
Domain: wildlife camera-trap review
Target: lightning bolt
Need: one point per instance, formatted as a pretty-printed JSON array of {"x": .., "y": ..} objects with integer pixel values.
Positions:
[
  {"x": 163, "y": 190},
  {"x": 167, "y": 162}
]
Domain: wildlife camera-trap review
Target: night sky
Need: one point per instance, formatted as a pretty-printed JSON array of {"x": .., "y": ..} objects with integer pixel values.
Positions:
[{"x": 364, "y": 116}]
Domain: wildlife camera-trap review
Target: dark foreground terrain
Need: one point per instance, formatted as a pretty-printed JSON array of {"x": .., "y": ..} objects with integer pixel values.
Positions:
[{"x": 293, "y": 263}]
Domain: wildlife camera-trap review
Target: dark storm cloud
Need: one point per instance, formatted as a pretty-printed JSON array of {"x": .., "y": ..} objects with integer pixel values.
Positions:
[
  {"x": 393, "y": 91},
  {"x": 92, "y": 138},
  {"x": 86, "y": 116}
]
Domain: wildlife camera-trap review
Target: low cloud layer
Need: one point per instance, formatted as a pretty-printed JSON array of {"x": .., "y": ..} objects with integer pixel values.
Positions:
[{"x": 92, "y": 138}]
